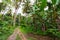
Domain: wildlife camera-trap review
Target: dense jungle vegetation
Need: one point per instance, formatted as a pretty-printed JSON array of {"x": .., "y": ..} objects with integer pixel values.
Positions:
[{"x": 40, "y": 18}]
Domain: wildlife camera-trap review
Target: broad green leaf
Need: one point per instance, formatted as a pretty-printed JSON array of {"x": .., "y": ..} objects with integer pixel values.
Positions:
[
  {"x": 54, "y": 1},
  {"x": 43, "y": 4}
]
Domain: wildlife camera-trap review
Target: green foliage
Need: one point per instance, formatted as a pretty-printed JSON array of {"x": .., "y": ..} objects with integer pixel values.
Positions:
[
  {"x": 6, "y": 1},
  {"x": 54, "y": 1},
  {"x": 2, "y": 6},
  {"x": 5, "y": 32},
  {"x": 53, "y": 33},
  {"x": 43, "y": 4},
  {"x": 41, "y": 22},
  {"x": 6, "y": 28}
]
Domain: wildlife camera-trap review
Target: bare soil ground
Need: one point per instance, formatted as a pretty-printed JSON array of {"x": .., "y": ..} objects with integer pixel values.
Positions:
[
  {"x": 15, "y": 33},
  {"x": 24, "y": 37}
]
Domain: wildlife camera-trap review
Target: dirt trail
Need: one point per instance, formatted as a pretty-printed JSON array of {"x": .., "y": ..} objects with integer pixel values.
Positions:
[
  {"x": 15, "y": 33},
  {"x": 39, "y": 37},
  {"x": 25, "y": 37}
]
